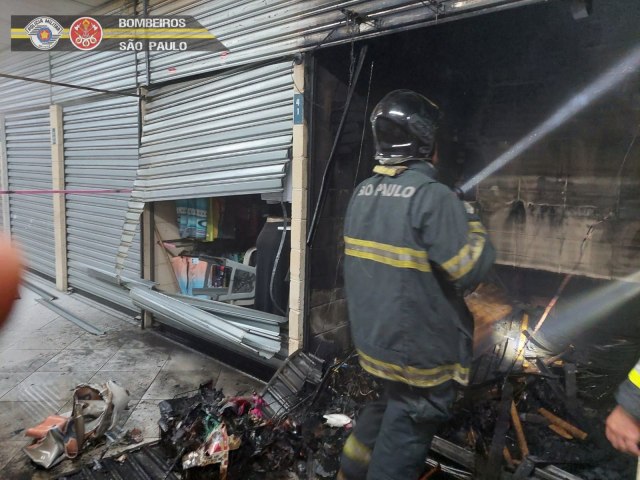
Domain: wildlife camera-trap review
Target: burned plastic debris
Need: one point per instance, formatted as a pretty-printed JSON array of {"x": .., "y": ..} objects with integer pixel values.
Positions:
[
  {"x": 96, "y": 410},
  {"x": 284, "y": 430}
]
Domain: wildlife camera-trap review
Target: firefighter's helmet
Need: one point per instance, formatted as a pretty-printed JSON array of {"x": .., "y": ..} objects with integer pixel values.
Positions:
[{"x": 404, "y": 127}]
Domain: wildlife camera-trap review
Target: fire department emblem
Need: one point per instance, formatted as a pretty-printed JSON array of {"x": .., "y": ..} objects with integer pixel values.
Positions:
[
  {"x": 85, "y": 33},
  {"x": 44, "y": 32}
]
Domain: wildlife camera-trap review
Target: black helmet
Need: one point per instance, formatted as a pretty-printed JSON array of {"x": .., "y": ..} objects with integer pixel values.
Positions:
[{"x": 404, "y": 127}]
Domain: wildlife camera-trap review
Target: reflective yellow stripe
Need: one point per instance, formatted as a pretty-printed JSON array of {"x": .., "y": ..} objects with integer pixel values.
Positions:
[
  {"x": 418, "y": 377},
  {"x": 386, "y": 247},
  {"x": 357, "y": 451},
  {"x": 634, "y": 376},
  {"x": 399, "y": 257},
  {"x": 462, "y": 263},
  {"x": 388, "y": 261},
  {"x": 476, "y": 227}
]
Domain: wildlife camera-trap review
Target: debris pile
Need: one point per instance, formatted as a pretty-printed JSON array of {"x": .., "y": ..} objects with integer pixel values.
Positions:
[
  {"x": 535, "y": 410},
  {"x": 295, "y": 429}
]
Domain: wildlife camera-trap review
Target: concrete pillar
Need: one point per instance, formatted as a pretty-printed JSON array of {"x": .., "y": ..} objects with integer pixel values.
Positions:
[
  {"x": 59, "y": 200},
  {"x": 299, "y": 206}
]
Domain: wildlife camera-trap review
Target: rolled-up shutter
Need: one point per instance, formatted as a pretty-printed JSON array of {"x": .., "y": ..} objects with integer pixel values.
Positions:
[
  {"x": 254, "y": 31},
  {"x": 101, "y": 152},
  {"x": 228, "y": 135},
  {"x": 28, "y": 150}
]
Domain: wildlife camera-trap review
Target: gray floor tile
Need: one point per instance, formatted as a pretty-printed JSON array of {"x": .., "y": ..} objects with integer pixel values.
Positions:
[
  {"x": 127, "y": 360},
  {"x": 40, "y": 386},
  {"x": 109, "y": 341},
  {"x": 60, "y": 325},
  {"x": 145, "y": 417},
  {"x": 8, "y": 339},
  {"x": 233, "y": 382},
  {"x": 16, "y": 417},
  {"x": 10, "y": 380},
  {"x": 9, "y": 450},
  {"x": 137, "y": 382},
  {"x": 13, "y": 360},
  {"x": 182, "y": 359},
  {"x": 37, "y": 341},
  {"x": 147, "y": 339},
  {"x": 170, "y": 384},
  {"x": 28, "y": 317},
  {"x": 78, "y": 360}
]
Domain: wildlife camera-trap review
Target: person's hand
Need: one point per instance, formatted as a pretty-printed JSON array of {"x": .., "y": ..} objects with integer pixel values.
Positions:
[
  {"x": 10, "y": 274},
  {"x": 623, "y": 431}
]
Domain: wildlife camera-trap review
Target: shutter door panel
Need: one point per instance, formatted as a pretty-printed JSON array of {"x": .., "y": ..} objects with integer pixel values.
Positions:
[
  {"x": 101, "y": 152},
  {"x": 28, "y": 151},
  {"x": 228, "y": 135},
  {"x": 259, "y": 30}
]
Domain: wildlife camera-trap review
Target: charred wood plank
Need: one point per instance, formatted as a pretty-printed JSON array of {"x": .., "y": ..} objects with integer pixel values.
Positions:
[
  {"x": 494, "y": 461},
  {"x": 517, "y": 426},
  {"x": 552, "y": 380}
]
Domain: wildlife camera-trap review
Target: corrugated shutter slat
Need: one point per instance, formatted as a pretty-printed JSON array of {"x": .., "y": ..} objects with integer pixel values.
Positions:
[{"x": 101, "y": 152}]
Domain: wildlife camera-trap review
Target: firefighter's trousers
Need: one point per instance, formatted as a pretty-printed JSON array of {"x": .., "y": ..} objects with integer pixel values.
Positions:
[{"x": 393, "y": 434}]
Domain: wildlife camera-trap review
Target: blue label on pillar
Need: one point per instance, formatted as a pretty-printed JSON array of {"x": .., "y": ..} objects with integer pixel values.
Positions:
[{"x": 297, "y": 108}]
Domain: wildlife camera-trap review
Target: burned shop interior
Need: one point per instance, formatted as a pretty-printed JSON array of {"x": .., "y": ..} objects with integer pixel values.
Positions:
[
  {"x": 540, "y": 133},
  {"x": 556, "y": 325}
]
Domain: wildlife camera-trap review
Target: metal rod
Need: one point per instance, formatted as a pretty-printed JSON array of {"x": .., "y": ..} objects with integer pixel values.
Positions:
[
  {"x": 68, "y": 85},
  {"x": 39, "y": 291}
]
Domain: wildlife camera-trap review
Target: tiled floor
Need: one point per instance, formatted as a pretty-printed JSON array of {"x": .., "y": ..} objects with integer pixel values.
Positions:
[{"x": 44, "y": 356}]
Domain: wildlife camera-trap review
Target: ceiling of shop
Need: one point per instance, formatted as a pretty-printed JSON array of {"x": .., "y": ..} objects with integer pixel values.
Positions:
[{"x": 38, "y": 7}]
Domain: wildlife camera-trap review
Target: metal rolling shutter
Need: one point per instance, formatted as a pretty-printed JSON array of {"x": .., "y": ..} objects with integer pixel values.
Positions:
[
  {"x": 28, "y": 150},
  {"x": 227, "y": 135},
  {"x": 18, "y": 94},
  {"x": 101, "y": 152},
  {"x": 257, "y": 30}
]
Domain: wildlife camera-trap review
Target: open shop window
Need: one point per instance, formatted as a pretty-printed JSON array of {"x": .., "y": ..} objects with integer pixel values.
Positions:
[{"x": 231, "y": 249}]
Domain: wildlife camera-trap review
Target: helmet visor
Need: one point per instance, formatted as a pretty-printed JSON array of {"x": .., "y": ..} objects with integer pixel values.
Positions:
[{"x": 391, "y": 140}]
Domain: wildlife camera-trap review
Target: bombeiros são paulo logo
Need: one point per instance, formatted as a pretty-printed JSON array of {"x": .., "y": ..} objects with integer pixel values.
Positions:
[
  {"x": 85, "y": 33},
  {"x": 100, "y": 33},
  {"x": 44, "y": 32}
]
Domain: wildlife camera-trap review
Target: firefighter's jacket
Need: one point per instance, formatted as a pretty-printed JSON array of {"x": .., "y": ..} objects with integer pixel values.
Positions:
[
  {"x": 411, "y": 250},
  {"x": 628, "y": 394}
]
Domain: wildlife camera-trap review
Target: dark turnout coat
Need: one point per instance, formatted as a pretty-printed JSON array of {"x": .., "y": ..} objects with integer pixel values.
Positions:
[
  {"x": 628, "y": 394},
  {"x": 411, "y": 250}
]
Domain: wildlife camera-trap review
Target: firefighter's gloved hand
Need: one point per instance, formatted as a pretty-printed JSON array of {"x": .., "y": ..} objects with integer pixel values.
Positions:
[{"x": 469, "y": 208}]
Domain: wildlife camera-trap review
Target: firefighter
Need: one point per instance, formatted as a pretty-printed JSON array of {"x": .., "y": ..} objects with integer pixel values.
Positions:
[
  {"x": 623, "y": 424},
  {"x": 411, "y": 251}
]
